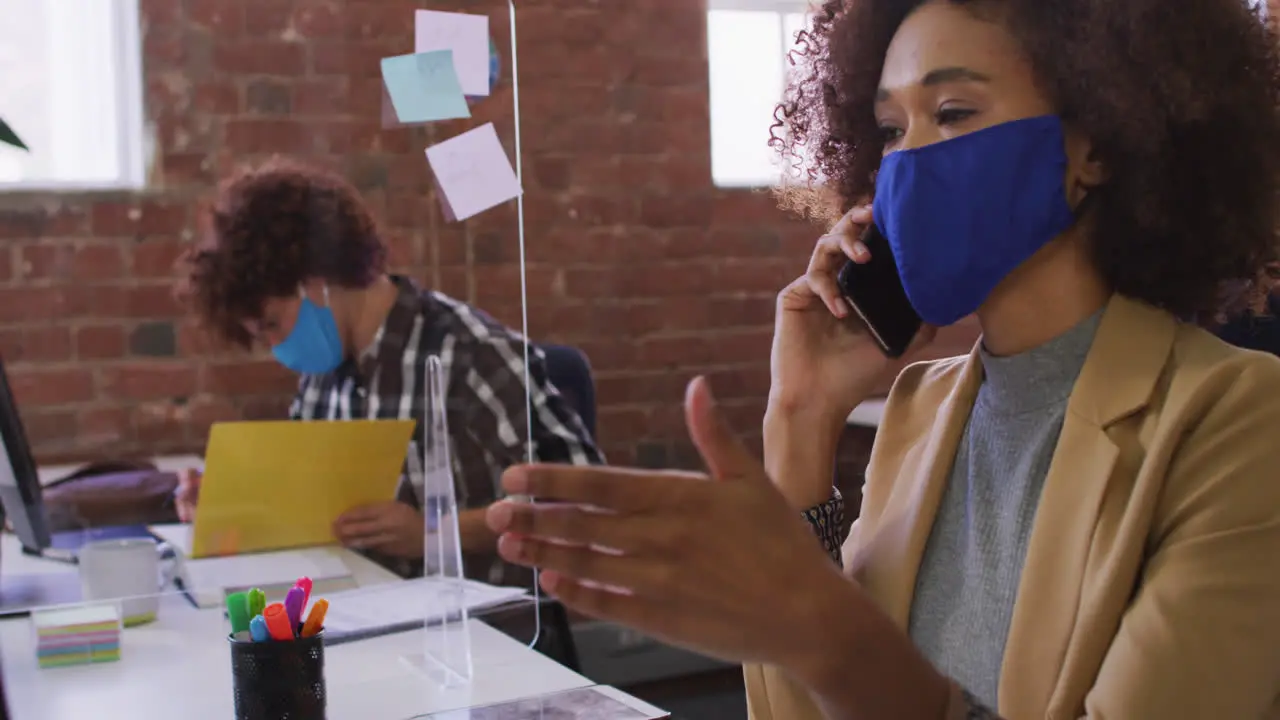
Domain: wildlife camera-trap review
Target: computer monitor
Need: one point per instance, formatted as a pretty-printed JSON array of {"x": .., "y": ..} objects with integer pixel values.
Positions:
[
  {"x": 19, "y": 483},
  {"x": 21, "y": 503}
]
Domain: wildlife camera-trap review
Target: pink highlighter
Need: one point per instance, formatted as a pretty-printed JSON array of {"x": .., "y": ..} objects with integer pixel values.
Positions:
[{"x": 305, "y": 584}]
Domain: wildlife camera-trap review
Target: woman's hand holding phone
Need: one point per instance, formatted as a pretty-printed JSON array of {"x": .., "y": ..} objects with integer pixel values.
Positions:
[{"x": 824, "y": 362}]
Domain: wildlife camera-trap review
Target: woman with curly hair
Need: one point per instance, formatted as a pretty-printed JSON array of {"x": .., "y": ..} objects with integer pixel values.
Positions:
[{"x": 1081, "y": 518}]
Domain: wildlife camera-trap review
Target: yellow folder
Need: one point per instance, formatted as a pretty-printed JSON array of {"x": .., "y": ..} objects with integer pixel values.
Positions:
[{"x": 281, "y": 484}]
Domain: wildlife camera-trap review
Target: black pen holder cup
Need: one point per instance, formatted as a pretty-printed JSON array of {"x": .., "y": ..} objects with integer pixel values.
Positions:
[{"x": 278, "y": 680}]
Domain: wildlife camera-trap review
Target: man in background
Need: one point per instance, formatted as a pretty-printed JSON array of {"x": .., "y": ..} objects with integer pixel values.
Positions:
[{"x": 292, "y": 259}]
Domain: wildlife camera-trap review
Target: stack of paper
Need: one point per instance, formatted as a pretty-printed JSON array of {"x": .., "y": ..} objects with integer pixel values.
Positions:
[
  {"x": 74, "y": 636},
  {"x": 400, "y": 606},
  {"x": 207, "y": 581}
]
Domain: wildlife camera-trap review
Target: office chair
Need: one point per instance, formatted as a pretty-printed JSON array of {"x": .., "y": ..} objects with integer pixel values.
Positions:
[
  {"x": 1254, "y": 331},
  {"x": 518, "y": 622},
  {"x": 570, "y": 371}
]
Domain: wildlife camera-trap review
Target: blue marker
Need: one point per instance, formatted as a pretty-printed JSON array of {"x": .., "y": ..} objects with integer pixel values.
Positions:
[{"x": 258, "y": 629}]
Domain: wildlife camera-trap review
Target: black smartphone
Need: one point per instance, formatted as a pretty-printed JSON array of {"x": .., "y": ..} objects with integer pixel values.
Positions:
[{"x": 874, "y": 291}]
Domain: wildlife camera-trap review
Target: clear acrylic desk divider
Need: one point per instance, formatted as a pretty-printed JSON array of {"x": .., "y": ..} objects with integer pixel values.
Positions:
[{"x": 446, "y": 656}]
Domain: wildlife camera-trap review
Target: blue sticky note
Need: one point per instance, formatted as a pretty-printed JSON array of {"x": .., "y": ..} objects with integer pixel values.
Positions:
[{"x": 424, "y": 87}]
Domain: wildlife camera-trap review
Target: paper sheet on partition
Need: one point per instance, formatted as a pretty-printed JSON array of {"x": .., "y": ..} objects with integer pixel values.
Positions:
[
  {"x": 472, "y": 172},
  {"x": 405, "y": 604},
  {"x": 466, "y": 35},
  {"x": 423, "y": 87},
  {"x": 598, "y": 703}
]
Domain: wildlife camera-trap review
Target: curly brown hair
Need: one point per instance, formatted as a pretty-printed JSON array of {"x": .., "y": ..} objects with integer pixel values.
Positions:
[
  {"x": 1182, "y": 101},
  {"x": 269, "y": 229}
]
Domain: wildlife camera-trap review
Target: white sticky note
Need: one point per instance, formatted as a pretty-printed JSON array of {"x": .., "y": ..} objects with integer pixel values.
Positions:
[
  {"x": 466, "y": 35},
  {"x": 472, "y": 172}
]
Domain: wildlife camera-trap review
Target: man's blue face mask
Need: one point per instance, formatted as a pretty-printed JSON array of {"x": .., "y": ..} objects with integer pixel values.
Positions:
[
  {"x": 962, "y": 214},
  {"x": 313, "y": 346}
]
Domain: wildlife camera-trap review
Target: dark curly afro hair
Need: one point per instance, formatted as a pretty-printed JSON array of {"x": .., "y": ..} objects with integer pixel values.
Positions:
[
  {"x": 1182, "y": 100},
  {"x": 269, "y": 229}
]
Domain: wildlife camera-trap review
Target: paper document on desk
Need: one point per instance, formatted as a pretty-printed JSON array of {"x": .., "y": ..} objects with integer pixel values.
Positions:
[
  {"x": 590, "y": 703},
  {"x": 400, "y": 606},
  {"x": 208, "y": 580},
  {"x": 261, "y": 570},
  {"x": 281, "y": 485}
]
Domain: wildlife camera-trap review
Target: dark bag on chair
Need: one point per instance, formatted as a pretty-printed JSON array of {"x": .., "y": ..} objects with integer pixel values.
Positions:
[{"x": 111, "y": 493}]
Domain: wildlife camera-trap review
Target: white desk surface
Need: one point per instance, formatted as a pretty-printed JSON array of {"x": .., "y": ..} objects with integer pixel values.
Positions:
[
  {"x": 867, "y": 414},
  {"x": 179, "y": 666}
]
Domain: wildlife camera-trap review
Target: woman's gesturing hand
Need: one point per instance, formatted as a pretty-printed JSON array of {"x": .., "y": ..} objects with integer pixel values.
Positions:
[{"x": 717, "y": 564}]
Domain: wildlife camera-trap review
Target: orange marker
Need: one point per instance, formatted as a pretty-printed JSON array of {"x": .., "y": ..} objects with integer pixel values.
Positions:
[
  {"x": 277, "y": 620},
  {"x": 315, "y": 618}
]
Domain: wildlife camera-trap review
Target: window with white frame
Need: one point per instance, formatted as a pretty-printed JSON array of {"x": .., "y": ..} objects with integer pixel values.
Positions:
[
  {"x": 71, "y": 90},
  {"x": 747, "y": 46}
]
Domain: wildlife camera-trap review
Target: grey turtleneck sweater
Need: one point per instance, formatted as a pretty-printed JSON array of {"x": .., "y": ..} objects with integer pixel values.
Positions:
[{"x": 968, "y": 578}]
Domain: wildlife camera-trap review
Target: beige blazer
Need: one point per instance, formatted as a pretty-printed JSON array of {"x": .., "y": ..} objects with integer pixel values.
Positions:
[{"x": 1151, "y": 589}]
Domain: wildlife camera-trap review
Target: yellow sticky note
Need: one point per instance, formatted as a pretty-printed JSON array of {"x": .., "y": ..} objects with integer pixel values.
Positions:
[{"x": 281, "y": 484}]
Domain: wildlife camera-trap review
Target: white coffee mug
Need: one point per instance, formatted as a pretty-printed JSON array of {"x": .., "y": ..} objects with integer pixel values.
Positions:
[{"x": 126, "y": 569}]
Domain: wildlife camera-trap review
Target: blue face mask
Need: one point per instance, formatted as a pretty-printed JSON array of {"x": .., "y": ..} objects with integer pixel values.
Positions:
[
  {"x": 313, "y": 346},
  {"x": 961, "y": 214}
]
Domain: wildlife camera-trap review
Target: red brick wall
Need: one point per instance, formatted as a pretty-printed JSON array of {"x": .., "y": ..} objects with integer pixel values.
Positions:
[{"x": 633, "y": 254}]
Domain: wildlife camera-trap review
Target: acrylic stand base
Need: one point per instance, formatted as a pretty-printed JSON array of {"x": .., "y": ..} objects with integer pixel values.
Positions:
[{"x": 446, "y": 644}]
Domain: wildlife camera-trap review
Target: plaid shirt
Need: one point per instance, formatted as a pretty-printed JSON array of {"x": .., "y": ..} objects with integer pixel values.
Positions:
[{"x": 486, "y": 411}]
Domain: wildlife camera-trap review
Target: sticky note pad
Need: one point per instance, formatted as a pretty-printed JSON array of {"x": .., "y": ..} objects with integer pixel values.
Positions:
[
  {"x": 78, "y": 635},
  {"x": 99, "y": 617},
  {"x": 424, "y": 87},
  {"x": 466, "y": 35},
  {"x": 472, "y": 172}
]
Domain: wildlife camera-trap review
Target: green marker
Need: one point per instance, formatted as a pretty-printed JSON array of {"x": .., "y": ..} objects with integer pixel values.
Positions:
[
  {"x": 238, "y": 611},
  {"x": 257, "y": 602}
]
